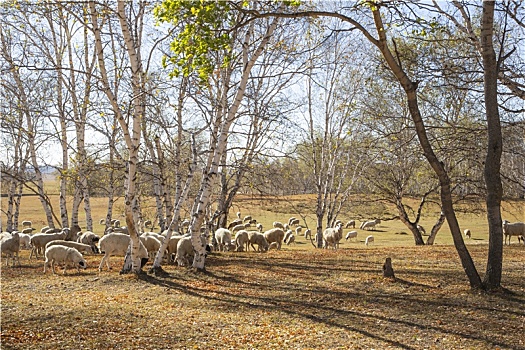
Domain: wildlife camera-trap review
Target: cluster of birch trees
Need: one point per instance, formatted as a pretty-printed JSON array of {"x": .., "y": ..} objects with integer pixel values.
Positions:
[{"x": 193, "y": 102}]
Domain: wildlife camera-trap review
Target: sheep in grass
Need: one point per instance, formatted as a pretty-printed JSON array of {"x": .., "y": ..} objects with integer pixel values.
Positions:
[
  {"x": 278, "y": 224},
  {"x": 223, "y": 237},
  {"x": 247, "y": 218},
  {"x": 25, "y": 241},
  {"x": 116, "y": 244},
  {"x": 258, "y": 238},
  {"x": 44, "y": 229},
  {"x": 151, "y": 243},
  {"x": 308, "y": 234},
  {"x": 513, "y": 229},
  {"x": 350, "y": 223},
  {"x": 259, "y": 227},
  {"x": 369, "y": 240},
  {"x": 185, "y": 251},
  {"x": 9, "y": 247},
  {"x": 242, "y": 241},
  {"x": 28, "y": 230},
  {"x": 90, "y": 239},
  {"x": 467, "y": 233},
  {"x": 290, "y": 240},
  {"x": 298, "y": 230},
  {"x": 287, "y": 234},
  {"x": 234, "y": 223},
  {"x": 275, "y": 235},
  {"x": 421, "y": 229},
  {"x": 332, "y": 236},
  {"x": 293, "y": 222},
  {"x": 27, "y": 223},
  {"x": 350, "y": 235},
  {"x": 370, "y": 225},
  {"x": 273, "y": 246},
  {"x": 57, "y": 254},
  {"x": 39, "y": 241},
  {"x": 81, "y": 247},
  {"x": 172, "y": 245}
]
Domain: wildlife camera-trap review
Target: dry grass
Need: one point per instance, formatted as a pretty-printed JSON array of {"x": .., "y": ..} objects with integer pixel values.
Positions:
[{"x": 298, "y": 298}]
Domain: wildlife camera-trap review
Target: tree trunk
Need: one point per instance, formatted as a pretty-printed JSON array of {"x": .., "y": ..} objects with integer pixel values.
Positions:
[
  {"x": 388, "y": 271},
  {"x": 435, "y": 229},
  {"x": 494, "y": 149}
]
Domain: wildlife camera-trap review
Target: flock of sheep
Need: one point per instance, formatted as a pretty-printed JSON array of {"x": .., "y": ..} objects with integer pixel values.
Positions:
[{"x": 66, "y": 246}]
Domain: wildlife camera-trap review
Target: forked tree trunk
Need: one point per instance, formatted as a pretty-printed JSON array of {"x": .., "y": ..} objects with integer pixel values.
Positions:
[{"x": 435, "y": 229}]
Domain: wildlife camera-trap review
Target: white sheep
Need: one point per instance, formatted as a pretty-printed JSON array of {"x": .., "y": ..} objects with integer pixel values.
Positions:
[
  {"x": 332, "y": 236},
  {"x": 513, "y": 229},
  {"x": 291, "y": 219},
  {"x": 116, "y": 223},
  {"x": 277, "y": 224},
  {"x": 247, "y": 218},
  {"x": 152, "y": 244},
  {"x": 467, "y": 233},
  {"x": 274, "y": 235},
  {"x": 273, "y": 246},
  {"x": 39, "y": 241},
  {"x": 298, "y": 230},
  {"x": 350, "y": 235},
  {"x": 369, "y": 240},
  {"x": 172, "y": 245},
  {"x": 88, "y": 237},
  {"x": 234, "y": 223},
  {"x": 223, "y": 237},
  {"x": 25, "y": 241},
  {"x": 28, "y": 230},
  {"x": 255, "y": 237},
  {"x": 238, "y": 214},
  {"x": 286, "y": 235},
  {"x": 370, "y": 224},
  {"x": 337, "y": 223},
  {"x": 290, "y": 240},
  {"x": 350, "y": 223},
  {"x": 81, "y": 247},
  {"x": 293, "y": 222},
  {"x": 185, "y": 250},
  {"x": 65, "y": 255},
  {"x": 116, "y": 244},
  {"x": 102, "y": 221},
  {"x": 308, "y": 234},
  {"x": 259, "y": 227},
  {"x": 242, "y": 241},
  {"x": 10, "y": 246},
  {"x": 27, "y": 223}
]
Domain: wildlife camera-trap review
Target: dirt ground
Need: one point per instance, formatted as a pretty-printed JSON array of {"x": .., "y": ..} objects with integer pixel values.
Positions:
[{"x": 299, "y": 298}]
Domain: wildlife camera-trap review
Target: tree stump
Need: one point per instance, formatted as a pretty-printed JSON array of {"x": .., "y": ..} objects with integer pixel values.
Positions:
[{"x": 388, "y": 271}]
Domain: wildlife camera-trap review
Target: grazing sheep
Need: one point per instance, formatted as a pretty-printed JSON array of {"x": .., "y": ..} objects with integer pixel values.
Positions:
[
  {"x": 275, "y": 235},
  {"x": 308, "y": 234},
  {"x": 44, "y": 229},
  {"x": 116, "y": 223},
  {"x": 28, "y": 230},
  {"x": 234, "y": 223},
  {"x": 259, "y": 227},
  {"x": 338, "y": 222},
  {"x": 332, "y": 236},
  {"x": 242, "y": 241},
  {"x": 467, "y": 233},
  {"x": 223, "y": 237},
  {"x": 258, "y": 238},
  {"x": 53, "y": 230},
  {"x": 247, "y": 218},
  {"x": 102, "y": 221},
  {"x": 90, "y": 239},
  {"x": 172, "y": 245},
  {"x": 25, "y": 241},
  {"x": 273, "y": 246},
  {"x": 253, "y": 222},
  {"x": 39, "y": 241},
  {"x": 293, "y": 222},
  {"x": 350, "y": 235},
  {"x": 10, "y": 246},
  {"x": 513, "y": 229},
  {"x": 370, "y": 224},
  {"x": 290, "y": 240},
  {"x": 238, "y": 214},
  {"x": 66, "y": 255},
  {"x": 287, "y": 234},
  {"x": 291, "y": 219},
  {"x": 421, "y": 229},
  {"x": 152, "y": 245},
  {"x": 185, "y": 250},
  {"x": 116, "y": 244},
  {"x": 238, "y": 228},
  {"x": 369, "y": 240},
  {"x": 27, "y": 223},
  {"x": 81, "y": 247},
  {"x": 350, "y": 223},
  {"x": 298, "y": 230},
  {"x": 277, "y": 224}
]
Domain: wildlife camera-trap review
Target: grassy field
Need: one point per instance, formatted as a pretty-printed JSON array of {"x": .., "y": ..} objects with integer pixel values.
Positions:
[{"x": 296, "y": 298}]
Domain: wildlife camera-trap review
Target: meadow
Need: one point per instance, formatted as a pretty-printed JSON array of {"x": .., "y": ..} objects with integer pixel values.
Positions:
[{"x": 297, "y": 298}]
